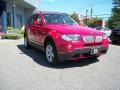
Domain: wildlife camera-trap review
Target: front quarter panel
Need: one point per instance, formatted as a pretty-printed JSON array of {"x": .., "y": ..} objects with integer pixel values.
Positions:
[{"x": 55, "y": 36}]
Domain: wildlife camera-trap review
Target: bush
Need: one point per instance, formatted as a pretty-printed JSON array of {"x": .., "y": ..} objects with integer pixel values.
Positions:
[
  {"x": 12, "y": 36},
  {"x": 17, "y": 30},
  {"x": 20, "y": 31},
  {"x": 10, "y": 28}
]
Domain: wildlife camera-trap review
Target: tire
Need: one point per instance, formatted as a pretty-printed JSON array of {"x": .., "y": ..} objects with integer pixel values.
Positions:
[
  {"x": 51, "y": 54},
  {"x": 26, "y": 43}
]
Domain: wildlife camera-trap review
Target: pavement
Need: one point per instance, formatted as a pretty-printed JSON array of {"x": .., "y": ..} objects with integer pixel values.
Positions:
[
  {"x": 5, "y": 40},
  {"x": 22, "y": 69}
]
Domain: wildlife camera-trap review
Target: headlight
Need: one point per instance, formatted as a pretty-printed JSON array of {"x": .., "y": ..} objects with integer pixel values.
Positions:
[
  {"x": 71, "y": 37},
  {"x": 105, "y": 36},
  {"x": 98, "y": 38}
]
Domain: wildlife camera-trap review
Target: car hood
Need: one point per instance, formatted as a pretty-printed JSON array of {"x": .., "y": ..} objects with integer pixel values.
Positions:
[{"x": 73, "y": 29}]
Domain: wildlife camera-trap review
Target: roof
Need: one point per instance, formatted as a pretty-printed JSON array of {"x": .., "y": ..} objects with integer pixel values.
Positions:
[{"x": 45, "y": 12}]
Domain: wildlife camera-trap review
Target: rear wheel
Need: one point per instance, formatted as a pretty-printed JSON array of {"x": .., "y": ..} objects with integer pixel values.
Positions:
[
  {"x": 51, "y": 53},
  {"x": 26, "y": 43}
]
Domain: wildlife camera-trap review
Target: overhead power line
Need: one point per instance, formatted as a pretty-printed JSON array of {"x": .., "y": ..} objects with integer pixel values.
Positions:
[
  {"x": 99, "y": 15},
  {"x": 102, "y": 15}
]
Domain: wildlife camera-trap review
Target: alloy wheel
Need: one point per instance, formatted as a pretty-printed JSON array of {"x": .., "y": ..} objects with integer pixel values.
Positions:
[
  {"x": 49, "y": 53},
  {"x": 25, "y": 42}
]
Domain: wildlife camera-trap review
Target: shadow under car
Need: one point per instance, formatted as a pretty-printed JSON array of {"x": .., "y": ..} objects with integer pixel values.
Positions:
[{"x": 39, "y": 57}]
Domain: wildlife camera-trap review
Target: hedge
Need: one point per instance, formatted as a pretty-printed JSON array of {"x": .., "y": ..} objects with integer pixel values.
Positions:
[{"x": 12, "y": 36}]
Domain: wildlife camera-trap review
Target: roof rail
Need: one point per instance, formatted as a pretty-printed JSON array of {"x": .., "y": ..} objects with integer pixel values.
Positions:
[{"x": 38, "y": 12}]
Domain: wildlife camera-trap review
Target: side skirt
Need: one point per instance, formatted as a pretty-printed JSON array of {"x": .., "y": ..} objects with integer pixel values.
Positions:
[{"x": 37, "y": 46}]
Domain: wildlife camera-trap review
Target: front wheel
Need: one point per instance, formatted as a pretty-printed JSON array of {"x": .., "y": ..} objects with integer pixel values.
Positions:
[{"x": 51, "y": 53}]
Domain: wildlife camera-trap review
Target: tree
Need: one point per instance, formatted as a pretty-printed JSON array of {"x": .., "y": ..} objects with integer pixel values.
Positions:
[
  {"x": 75, "y": 16},
  {"x": 114, "y": 20},
  {"x": 93, "y": 22}
]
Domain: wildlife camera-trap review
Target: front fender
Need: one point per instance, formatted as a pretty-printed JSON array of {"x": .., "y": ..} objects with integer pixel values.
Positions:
[{"x": 55, "y": 37}]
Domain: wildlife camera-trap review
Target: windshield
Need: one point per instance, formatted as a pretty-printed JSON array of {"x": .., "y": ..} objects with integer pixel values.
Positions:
[
  {"x": 59, "y": 19},
  {"x": 103, "y": 28}
]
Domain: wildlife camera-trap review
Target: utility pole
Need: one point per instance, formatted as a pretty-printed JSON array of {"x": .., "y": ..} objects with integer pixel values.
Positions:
[
  {"x": 86, "y": 16},
  {"x": 14, "y": 15},
  {"x": 91, "y": 12}
]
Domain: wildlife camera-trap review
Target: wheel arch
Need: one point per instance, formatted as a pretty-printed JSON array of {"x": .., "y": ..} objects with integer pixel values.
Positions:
[{"x": 49, "y": 39}]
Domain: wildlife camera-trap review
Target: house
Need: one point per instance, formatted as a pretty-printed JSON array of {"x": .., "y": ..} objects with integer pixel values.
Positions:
[{"x": 16, "y": 12}]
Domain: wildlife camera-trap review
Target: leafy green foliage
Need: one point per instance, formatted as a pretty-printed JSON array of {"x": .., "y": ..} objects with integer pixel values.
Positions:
[
  {"x": 20, "y": 31},
  {"x": 75, "y": 17},
  {"x": 114, "y": 20},
  {"x": 12, "y": 36},
  {"x": 93, "y": 22},
  {"x": 9, "y": 28}
]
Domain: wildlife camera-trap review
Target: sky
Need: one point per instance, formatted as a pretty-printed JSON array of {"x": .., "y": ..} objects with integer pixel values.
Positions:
[{"x": 79, "y": 6}]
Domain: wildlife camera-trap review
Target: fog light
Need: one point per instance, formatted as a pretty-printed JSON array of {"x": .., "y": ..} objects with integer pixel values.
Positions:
[{"x": 69, "y": 46}]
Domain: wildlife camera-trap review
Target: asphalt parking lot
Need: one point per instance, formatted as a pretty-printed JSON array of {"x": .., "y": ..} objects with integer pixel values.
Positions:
[{"x": 22, "y": 69}]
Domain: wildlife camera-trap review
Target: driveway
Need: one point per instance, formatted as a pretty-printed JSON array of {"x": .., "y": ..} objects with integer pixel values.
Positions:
[{"x": 22, "y": 69}]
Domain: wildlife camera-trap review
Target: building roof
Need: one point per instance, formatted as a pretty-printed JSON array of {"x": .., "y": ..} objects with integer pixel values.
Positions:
[{"x": 25, "y": 4}]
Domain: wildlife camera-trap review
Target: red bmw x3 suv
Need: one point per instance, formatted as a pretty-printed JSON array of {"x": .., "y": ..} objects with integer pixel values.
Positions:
[{"x": 62, "y": 38}]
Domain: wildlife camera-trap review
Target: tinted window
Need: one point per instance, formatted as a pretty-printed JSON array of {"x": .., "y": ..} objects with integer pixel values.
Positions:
[{"x": 59, "y": 19}]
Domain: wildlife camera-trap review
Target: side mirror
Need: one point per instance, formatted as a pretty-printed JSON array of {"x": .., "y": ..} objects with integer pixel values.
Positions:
[{"x": 36, "y": 23}]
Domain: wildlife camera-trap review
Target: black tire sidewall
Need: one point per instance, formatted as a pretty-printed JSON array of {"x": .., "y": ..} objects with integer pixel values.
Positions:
[{"x": 27, "y": 42}]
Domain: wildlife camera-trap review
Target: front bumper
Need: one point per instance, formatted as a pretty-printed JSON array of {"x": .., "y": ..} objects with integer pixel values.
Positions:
[{"x": 82, "y": 53}]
